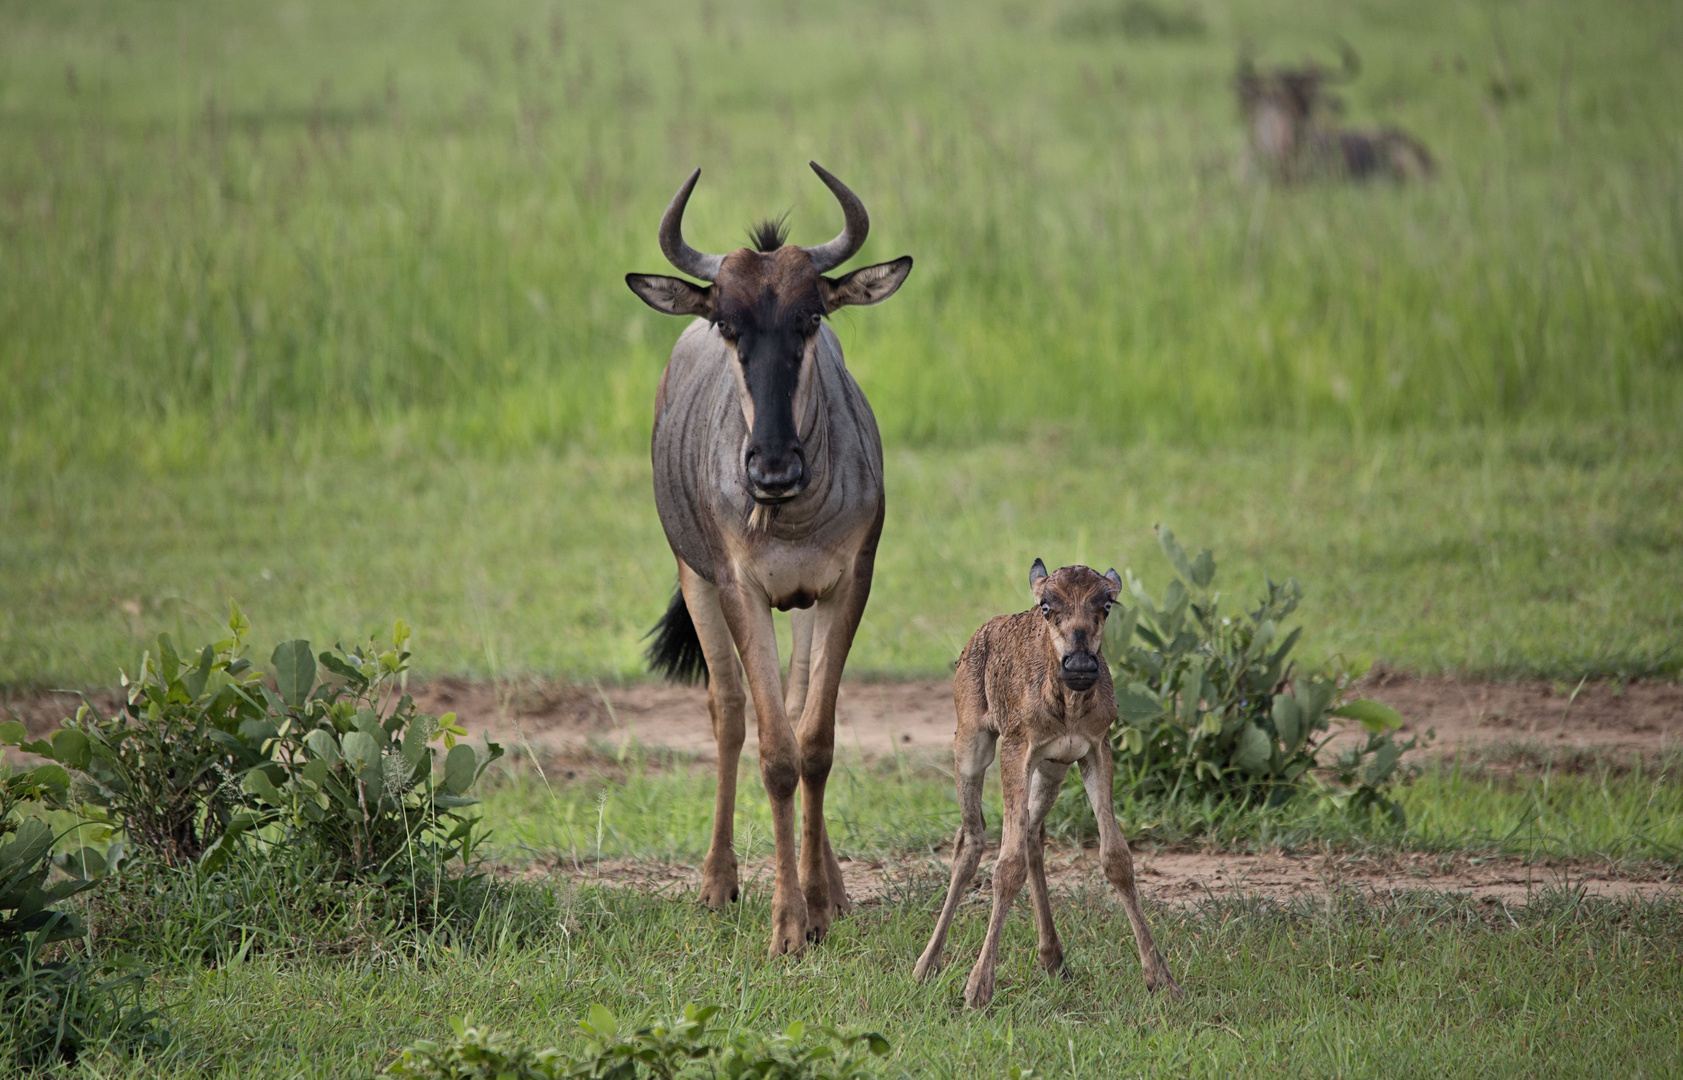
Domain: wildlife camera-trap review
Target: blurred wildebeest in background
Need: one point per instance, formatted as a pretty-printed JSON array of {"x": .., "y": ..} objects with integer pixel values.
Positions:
[{"x": 1288, "y": 110}]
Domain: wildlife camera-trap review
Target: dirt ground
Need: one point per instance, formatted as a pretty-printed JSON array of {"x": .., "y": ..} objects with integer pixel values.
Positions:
[
  {"x": 1185, "y": 879},
  {"x": 877, "y": 718},
  {"x": 916, "y": 717}
]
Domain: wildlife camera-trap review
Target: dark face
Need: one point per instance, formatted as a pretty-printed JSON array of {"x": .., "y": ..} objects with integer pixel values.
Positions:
[
  {"x": 768, "y": 312},
  {"x": 768, "y": 307},
  {"x": 1075, "y": 602}
]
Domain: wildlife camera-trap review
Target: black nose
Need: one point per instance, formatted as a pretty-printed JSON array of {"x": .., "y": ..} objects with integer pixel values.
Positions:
[
  {"x": 1080, "y": 670},
  {"x": 776, "y": 475}
]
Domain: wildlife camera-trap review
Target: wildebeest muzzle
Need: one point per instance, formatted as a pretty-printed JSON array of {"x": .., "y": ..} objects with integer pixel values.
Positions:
[{"x": 1079, "y": 670}]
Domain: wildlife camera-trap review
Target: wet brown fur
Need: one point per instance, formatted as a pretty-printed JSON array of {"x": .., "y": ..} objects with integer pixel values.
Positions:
[{"x": 1010, "y": 693}]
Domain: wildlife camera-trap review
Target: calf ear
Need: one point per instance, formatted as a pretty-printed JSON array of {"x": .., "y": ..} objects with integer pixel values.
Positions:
[
  {"x": 1115, "y": 580},
  {"x": 867, "y": 285},
  {"x": 670, "y": 295},
  {"x": 1037, "y": 577}
]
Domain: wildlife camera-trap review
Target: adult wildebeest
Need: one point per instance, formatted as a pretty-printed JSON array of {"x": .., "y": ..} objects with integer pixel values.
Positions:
[
  {"x": 1285, "y": 111},
  {"x": 768, "y": 480}
]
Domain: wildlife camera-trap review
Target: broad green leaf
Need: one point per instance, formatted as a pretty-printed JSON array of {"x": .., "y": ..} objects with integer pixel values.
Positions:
[
  {"x": 196, "y": 678},
  {"x": 602, "y": 1022},
  {"x": 169, "y": 663},
  {"x": 323, "y": 745},
  {"x": 1384, "y": 763},
  {"x": 70, "y": 748},
  {"x": 1374, "y": 716},
  {"x": 1203, "y": 569},
  {"x": 1288, "y": 721},
  {"x": 1177, "y": 557},
  {"x": 362, "y": 755},
  {"x": 461, "y": 765},
  {"x": 12, "y": 732},
  {"x": 295, "y": 671},
  {"x": 1137, "y": 705},
  {"x": 1119, "y": 630},
  {"x": 1254, "y": 751},
  {"x": 257, "y": 783}
]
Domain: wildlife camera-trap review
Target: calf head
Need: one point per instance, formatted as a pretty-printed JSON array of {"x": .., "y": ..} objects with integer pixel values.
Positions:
[
  {"x": 1075, "y": 602},
  {"x": 767, "y": 303}
]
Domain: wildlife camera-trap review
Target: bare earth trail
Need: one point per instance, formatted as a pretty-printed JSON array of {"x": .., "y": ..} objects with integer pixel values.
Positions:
[
  {"x": 879, "y": 718},
  {"x": 916, "y": 718}
]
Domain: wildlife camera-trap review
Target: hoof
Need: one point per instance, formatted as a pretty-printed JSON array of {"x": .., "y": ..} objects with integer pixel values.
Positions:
[
  {"x": 979, "y": 990},
  {"x": 1163, "y": 982},
  {"x": 925, "y": 967}
]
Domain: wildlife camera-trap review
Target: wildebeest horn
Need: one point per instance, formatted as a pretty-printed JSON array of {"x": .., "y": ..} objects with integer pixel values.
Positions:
[
  {"x": 678, "y": 253},
  {"x": 856, "y": 226}
]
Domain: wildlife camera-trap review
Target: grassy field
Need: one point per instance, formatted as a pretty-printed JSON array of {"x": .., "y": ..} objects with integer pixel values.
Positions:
[
  {"x": 1418, "y": 986},
  {"x": 310, "y": 223},
  {"x": 1554, "y": 552},
  {"x": 320, "y": 307}
]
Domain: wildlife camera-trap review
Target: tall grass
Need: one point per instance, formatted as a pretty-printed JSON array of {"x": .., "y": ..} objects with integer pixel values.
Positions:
[{"x": 259, "y": 222}]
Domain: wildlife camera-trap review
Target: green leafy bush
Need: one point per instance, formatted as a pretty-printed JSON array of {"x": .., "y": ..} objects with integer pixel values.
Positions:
[
  {"x": 205, "y": 755},
  {"x": 51, "y": 1008},
  {"x": 684, "y": 1046},
  {"x": 353, "y": 769},
  {"x": 166, "y": 767},
  {"x": 1211, "y": 704}
]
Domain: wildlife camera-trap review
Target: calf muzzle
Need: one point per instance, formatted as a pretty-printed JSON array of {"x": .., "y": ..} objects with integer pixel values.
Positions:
[{"x": 1079, "y": 670}]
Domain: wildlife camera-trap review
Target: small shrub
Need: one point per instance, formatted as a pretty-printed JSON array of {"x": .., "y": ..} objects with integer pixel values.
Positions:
[
  {"x": 165, "y": 769},
  {"x": 1211, "y": 705},
  {"x": 353, "y": 773},
  {"x": 51, "y": 1009},
  {"x": 684, "y": 1046},
  {"x": 204, "y": 754}
]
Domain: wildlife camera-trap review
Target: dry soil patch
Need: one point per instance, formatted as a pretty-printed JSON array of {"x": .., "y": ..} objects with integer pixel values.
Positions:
[{"x": 1184, "y": 879}]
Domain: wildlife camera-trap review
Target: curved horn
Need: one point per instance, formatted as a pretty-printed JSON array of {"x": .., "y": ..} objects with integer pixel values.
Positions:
[
  {"x": 678, "y": 253},
  {"x": 856, "y": 226}
]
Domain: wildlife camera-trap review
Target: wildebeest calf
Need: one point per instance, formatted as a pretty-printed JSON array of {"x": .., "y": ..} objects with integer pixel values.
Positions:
[{"x": 1035, "y": 684}]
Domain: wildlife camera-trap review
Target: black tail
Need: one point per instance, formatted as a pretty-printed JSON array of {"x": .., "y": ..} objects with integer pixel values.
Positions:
[{"x": 676, "y": 650}]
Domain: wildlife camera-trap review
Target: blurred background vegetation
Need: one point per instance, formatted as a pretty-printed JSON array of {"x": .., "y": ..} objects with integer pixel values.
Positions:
[{"x": 320, "y": 306}]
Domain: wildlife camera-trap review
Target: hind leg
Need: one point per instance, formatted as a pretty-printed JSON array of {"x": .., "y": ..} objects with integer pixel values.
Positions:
[
  {"x": 973, "y": 750},
  {"x": 1097, "y": 771},
  {"x": 725, "y": 703}
]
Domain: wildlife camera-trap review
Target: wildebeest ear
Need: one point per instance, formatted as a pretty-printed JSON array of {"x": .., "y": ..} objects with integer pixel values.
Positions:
[
  {"x": 867, "y": 285},
  {"x": 1115, "y": 580},
  {"x": 1037, "y": 577},
  {"x": 670, "y": 295}
]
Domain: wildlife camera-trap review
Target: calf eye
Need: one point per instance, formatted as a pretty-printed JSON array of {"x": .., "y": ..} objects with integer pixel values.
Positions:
[{"x": 1046, "y": 610}]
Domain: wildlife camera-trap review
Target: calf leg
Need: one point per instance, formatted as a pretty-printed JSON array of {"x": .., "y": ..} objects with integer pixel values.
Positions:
[
  {"x": 1044, "y": 784},
  {"x": 725, "y": 701},
  {"x": 1009, "y": 872},
  {"x": 973, "y": 747},
  {"x": 1097, "y": 771}
]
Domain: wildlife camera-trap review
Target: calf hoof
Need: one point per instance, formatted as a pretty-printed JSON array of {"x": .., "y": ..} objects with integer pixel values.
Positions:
[
  {"x": 718, "y": 892},
  {"x": 926, "y": 966},
  {"x": 1052, "y": 961},
  {"x": 1162, "y": 981}
]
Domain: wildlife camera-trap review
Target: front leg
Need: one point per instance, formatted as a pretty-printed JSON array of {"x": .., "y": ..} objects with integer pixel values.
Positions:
[
  {"x": 1045, "y": 782},
  {"x": 1009, "y": 871},
  {"x": 751, "y": 626},
  {"x": 834, "y": 621},
  {"x": 1097, "y": 772}
]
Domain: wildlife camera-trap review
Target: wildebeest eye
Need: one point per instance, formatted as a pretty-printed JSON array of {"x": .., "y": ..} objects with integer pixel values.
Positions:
[
  {"x": 817, "y": 320},
  {"x": 1046, "y": 610}
]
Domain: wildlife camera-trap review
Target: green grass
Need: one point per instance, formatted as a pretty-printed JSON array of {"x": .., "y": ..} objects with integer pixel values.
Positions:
[
  {"x": 1411, "y": 986},
  {"x": 1553, "y": 552},
  {"x": 257, "y": 222},
  {"x": 636, "y": 808}
]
